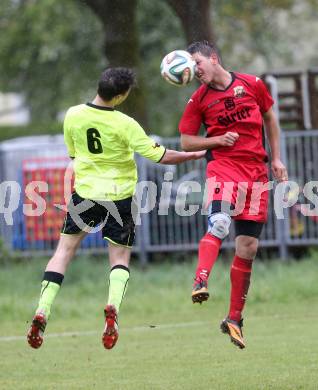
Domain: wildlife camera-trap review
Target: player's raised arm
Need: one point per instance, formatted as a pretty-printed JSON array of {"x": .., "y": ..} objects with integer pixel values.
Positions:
[
  {"x": 141, "y": 143},
  {"x": 191, "y": 143}
]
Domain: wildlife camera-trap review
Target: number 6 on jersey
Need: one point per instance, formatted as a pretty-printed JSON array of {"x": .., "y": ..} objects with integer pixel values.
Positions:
[{"x": 93, "y": 141}]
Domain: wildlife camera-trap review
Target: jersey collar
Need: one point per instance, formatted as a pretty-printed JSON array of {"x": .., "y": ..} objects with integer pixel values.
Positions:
[
  {"x": 225, "y": 89},
  {"x": 100, "y": 107}
]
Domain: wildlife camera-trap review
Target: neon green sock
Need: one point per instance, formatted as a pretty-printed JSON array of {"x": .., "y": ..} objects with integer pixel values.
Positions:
[
  {"x": 118, "y": 283},
  {"x": 47, "y": 296}
]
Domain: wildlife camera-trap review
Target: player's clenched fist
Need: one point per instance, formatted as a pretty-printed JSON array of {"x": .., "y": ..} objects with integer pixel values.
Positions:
[{"x": 228, "y": 139}]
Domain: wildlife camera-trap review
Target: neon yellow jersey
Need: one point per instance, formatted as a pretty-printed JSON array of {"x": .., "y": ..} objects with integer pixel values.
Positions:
[{"x": 103, "y": 141}]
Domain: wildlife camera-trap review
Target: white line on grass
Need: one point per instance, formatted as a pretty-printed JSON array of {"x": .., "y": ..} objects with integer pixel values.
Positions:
[{"x": 94, "y": 332}]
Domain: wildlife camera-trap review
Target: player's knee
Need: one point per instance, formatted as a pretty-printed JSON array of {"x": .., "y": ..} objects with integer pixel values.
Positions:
[
  {"x": 219, "y": 225},
  {"x": 246, "y": 247}
]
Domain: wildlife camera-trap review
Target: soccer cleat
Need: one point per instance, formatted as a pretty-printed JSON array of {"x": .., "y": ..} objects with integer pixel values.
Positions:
[
  {"x": 200, "y": 291},
  {"x": 110, "y": 335},
  {"x": 36, "y": 331},
  {"x": 234, "y": 330}
]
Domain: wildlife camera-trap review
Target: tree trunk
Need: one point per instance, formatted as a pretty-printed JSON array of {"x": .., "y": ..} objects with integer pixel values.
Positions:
[
  {"x": 195, "y": 19},
  {"x": 121, "y": 47}
]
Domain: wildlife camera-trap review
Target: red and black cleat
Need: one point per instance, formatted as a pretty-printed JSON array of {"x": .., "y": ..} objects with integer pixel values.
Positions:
[
  {"x": 234, "y": 330},
  {"x": 36, "y": 331},
  {"x": 110, "y": 335},
  {"x": 200, "y": 291}
]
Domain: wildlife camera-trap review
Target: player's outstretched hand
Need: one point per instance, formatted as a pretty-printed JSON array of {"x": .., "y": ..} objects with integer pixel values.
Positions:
[
  {"x": 228, "y": 139},
  {"x": 198, "y": 155},
  {"x": 279, "y": 170}
]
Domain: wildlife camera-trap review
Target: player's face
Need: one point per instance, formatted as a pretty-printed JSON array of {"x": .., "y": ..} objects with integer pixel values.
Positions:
[{"x": 204, "y": 67}]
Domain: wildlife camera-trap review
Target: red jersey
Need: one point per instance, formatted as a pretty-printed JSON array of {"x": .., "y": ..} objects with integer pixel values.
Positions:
[{"x": 238, "y": 108}]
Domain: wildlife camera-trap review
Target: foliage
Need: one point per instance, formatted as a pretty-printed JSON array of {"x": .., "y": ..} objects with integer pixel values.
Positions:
[
  {"x": 50, "y": 51},
  {"x": 160, "y": 32},
  {"x": 263, "y": 35},
  {"x": 53, "y": 51},
  {"x": 8, "y": 132}
]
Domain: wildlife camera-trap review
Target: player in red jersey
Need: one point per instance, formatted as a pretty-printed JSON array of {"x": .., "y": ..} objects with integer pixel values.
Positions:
[{"x": 233, "y": 108}]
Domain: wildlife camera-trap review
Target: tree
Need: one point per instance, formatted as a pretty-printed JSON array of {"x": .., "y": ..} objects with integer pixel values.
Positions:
[
  {"x": 121, "y": 39},
  {"x": 50, "y": 52},
  {"x": 195, "y": 18},
  {"x": 54, "y": 52},
  {"x": 121, "y": 45}
]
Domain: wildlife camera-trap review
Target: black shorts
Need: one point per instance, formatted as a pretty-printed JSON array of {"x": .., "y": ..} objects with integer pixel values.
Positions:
[
  {"x": 116, "y": 217},
  {"x": 248, "y": 228}
]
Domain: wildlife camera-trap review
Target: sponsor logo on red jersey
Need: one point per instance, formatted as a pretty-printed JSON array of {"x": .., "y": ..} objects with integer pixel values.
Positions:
[{"x": 239, "y": 91}]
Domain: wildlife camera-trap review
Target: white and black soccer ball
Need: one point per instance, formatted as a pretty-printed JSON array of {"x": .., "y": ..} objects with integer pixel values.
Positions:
[{"x": 178, "y": 68}]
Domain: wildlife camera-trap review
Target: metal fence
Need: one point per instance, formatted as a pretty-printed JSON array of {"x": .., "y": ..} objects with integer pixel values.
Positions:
[{"x": 162, "y": 229}]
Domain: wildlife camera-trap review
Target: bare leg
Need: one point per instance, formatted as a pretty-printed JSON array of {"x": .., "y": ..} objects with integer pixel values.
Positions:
[
  {"x": 118, "y": 255},
  {"x": 65, "y": 252},
  {"x": 52, "y": 280}
]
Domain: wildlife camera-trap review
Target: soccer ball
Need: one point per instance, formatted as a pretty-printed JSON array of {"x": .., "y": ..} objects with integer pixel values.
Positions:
[{"x": 178, "y": 68}]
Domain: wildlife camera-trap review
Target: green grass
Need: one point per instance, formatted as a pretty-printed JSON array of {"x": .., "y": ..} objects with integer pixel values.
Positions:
[{"x": 165, "y": 341}]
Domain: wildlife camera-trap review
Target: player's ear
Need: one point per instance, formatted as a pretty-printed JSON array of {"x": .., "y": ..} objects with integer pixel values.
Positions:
[
  {"x": 121, "y": 98},
  {"x": 125, "y": 95},
  {"x": 214, "y": 58}
]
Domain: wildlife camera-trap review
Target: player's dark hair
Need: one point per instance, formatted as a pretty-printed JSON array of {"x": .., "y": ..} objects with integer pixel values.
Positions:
[
  {"x": 204, "y": 47},
  {"x": 115, "y": 81}
]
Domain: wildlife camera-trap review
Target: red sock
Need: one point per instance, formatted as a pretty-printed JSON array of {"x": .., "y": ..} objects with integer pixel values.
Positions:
[
  {"x": 240, "y": 281},
  {"x": 209, "y": 247}
]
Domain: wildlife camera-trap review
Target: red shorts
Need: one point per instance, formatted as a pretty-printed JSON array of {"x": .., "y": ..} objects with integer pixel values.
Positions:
[{"x": 244, "y": 184}]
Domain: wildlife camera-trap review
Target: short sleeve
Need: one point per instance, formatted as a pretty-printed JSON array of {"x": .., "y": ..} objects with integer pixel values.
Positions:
[
  {"x": 142, "y": 144},
  {"x": 68, "y": 136},
  {"x": 264, "y": 99},
  {"x": 191, "y": 119}
]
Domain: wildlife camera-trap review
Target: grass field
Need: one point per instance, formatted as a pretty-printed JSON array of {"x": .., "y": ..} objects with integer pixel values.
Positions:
[{"x": 165, "y": 341}]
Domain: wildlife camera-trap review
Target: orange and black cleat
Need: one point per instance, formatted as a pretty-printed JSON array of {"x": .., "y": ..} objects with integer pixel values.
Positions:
[
  {"x": 110, "y": 335},
  {"x": 200, "y": 291},
  {"x": 36, "y": 331},
  {"x": 234, "y": 330}
]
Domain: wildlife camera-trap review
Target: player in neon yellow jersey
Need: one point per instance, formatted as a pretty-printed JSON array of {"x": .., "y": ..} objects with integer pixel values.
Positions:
[{"x": 102, "y": 142}]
